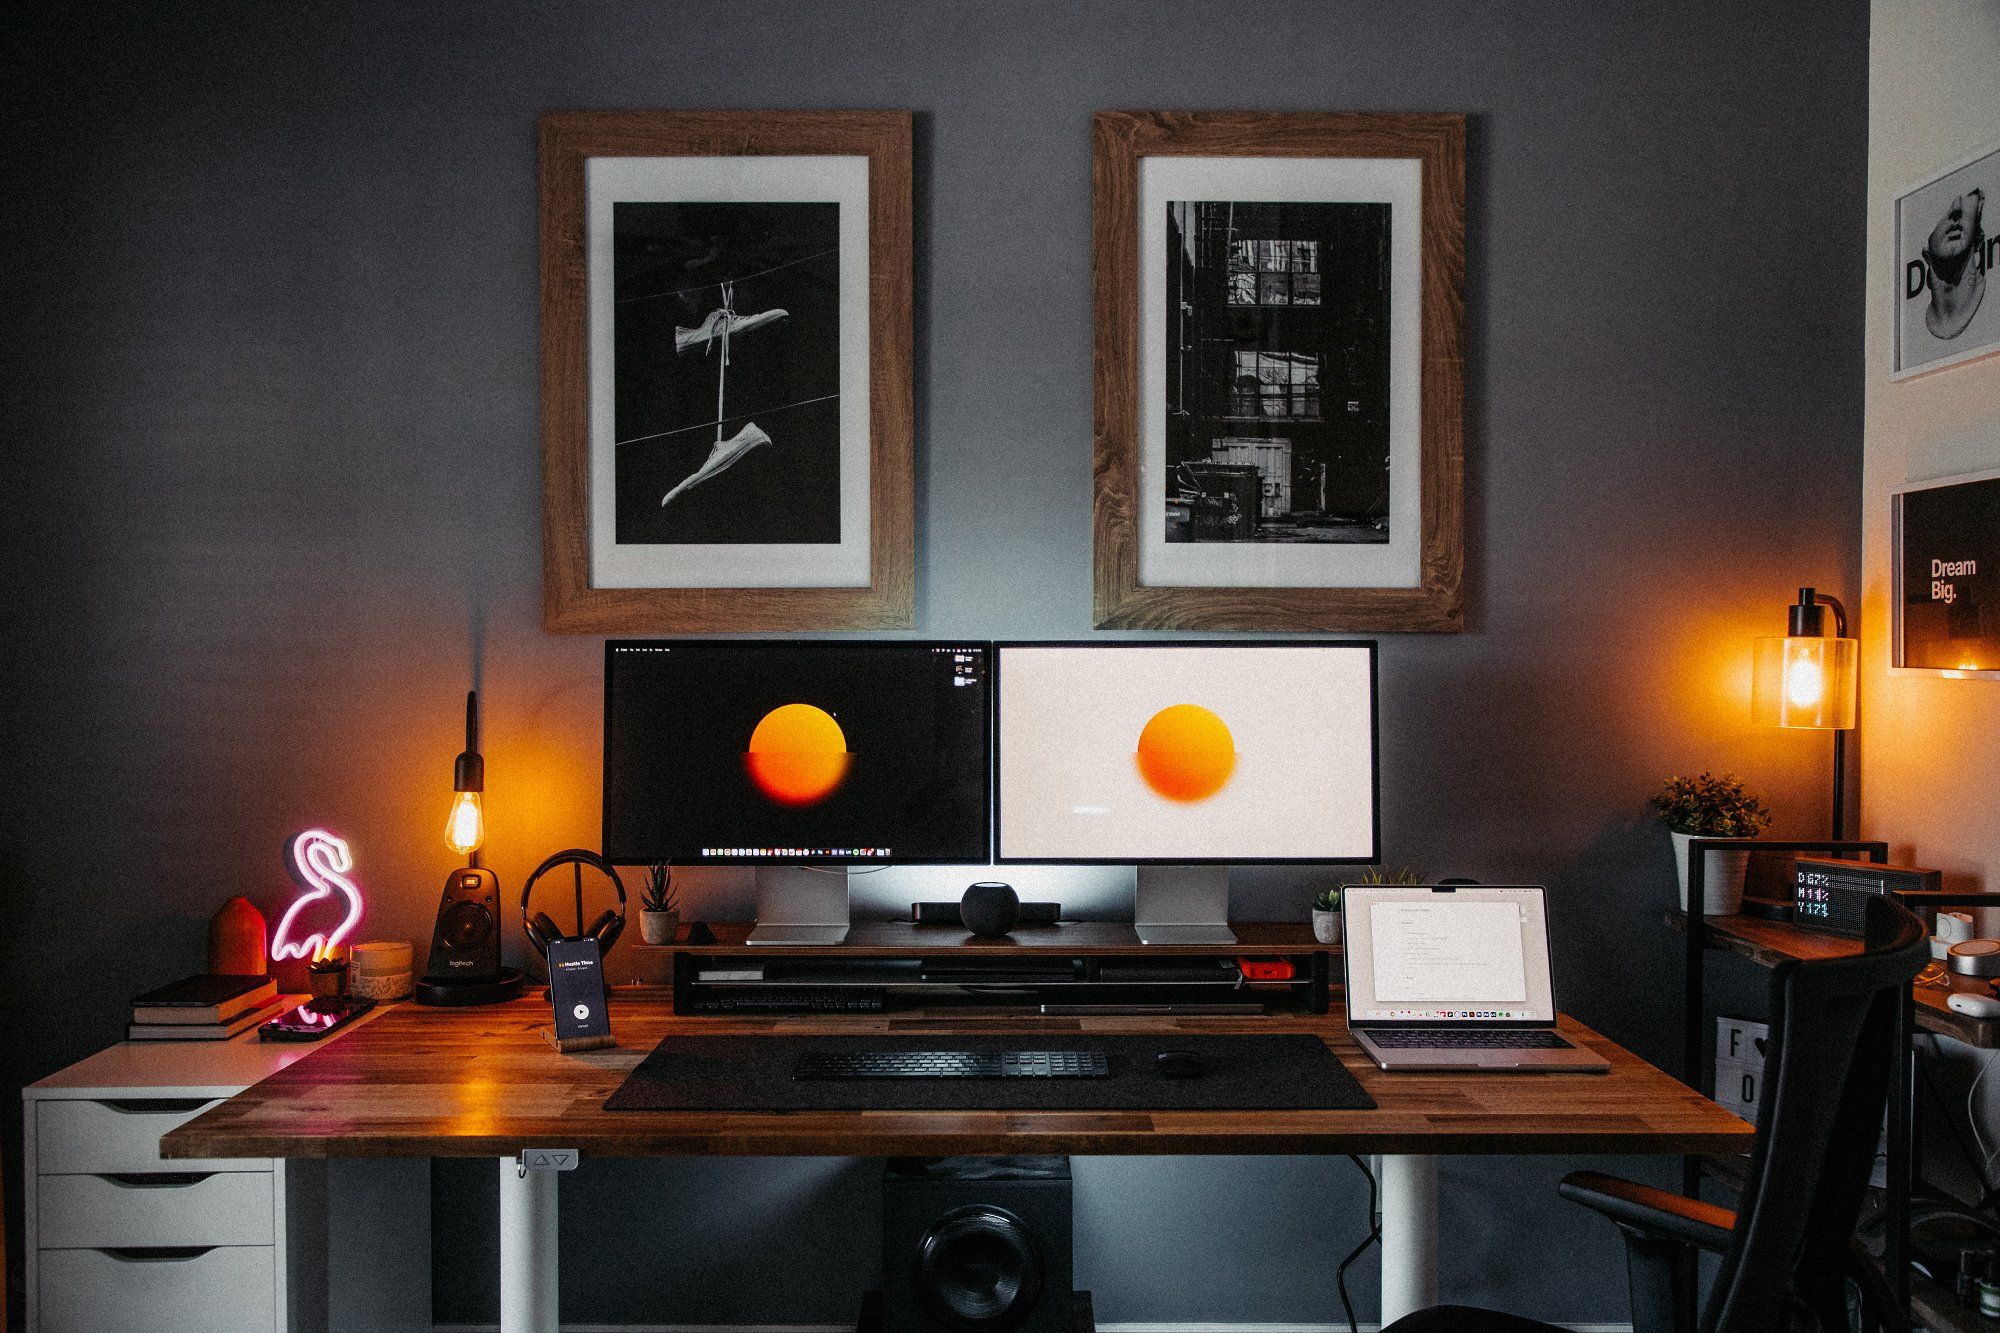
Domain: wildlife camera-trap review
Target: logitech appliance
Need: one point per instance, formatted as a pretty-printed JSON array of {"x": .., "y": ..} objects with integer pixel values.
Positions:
[
  {"x": 1186, "y": 759},
  {"x": 465, "y": 967},
  {"x": 976, "y": 1243},
  {"x": 1454, "y": 977},
  {"x": 801, "y": 758}
]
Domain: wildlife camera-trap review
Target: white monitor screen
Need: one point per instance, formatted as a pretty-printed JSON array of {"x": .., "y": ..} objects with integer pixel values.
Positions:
[
  {"x": 1187, "y": 753},
  {"x": 1426, "y": 955}
]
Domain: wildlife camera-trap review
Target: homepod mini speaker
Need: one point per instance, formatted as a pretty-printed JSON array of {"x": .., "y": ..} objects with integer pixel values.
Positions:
[
  {"x": 990, "y": 909},
  {"x": 976, "y": 1243}
]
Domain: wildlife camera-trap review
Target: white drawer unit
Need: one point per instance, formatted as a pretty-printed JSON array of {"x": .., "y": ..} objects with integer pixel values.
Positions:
[
  {"x": 225, "y": 1289},
  {"x": 118, "y": 1238},
  {"x": 156, "y": 1209},
  {"x": 119, "y": 1135}
]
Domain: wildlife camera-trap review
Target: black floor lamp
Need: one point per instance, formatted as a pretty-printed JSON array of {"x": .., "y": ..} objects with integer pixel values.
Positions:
[{"x": 1807, "y": 680}]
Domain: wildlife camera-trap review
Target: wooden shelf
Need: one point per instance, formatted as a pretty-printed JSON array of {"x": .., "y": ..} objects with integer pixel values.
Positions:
[
  {"x": 1768, "y": 943},
  {"x": 909, "y": 940}
]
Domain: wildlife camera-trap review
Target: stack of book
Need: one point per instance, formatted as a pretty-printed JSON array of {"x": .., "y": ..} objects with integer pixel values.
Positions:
[{"x": 204, "y": 1008}]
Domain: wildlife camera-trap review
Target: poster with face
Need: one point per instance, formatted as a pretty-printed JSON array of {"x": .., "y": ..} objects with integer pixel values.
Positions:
[{"x": 1945, "y": 250}]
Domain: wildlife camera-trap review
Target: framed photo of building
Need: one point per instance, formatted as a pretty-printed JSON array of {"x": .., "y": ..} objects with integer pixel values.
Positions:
[
  {"x": 1279, "y": 371},
  {"x": 726, "y": 371},
  {"x": 1945, "y": 539},
  {"x": 1944, "y": 255}
]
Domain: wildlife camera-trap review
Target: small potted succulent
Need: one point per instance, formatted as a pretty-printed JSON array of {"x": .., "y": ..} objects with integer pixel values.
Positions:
[
  {"x": 1326, "y": 907},
  {"x": 1326, "y": 915},
  {"x": 659, "y": 906},
  {"x": 1712, "y": 807}
]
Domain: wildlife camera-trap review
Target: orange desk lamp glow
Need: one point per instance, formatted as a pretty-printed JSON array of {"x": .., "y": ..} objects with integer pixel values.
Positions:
[
  {"x": 465, "y": 829},
  {"x": 1807, "y": 680}
]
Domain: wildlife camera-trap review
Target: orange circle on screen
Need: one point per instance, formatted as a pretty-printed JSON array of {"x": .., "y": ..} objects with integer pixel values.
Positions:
[
  {"x": 798, "y": 754},
  {"x": 1186, "y": 753}
]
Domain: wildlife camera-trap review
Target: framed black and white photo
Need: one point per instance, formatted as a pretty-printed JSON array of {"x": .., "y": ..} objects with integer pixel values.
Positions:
[
  {"x": 726, "y": 349},
  {"x": 1944, "y": 256},
  {"x": 1278, "y": 370},
  {"x": 1945, "y": 538}
]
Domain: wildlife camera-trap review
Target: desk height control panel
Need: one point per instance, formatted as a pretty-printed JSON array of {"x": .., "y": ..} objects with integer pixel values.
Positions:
[{"x": 1079, "y": 968}]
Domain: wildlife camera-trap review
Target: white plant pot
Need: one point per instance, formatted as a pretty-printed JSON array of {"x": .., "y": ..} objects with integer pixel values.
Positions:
[
  {"x": 1326, "y": 926},
  {"x": 1722, "y": 877},
  {"x": 658, "y": 927}
]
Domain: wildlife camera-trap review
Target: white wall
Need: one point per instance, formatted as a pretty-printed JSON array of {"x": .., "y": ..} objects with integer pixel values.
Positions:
[{"x": 1930, "y": 747}]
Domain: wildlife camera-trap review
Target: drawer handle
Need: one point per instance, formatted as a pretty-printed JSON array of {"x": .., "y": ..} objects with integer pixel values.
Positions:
[
  {"x": 167, "y": 1180},
  {"x": 157, "y": 1105},
  {"x": 174, "y": 1255}
]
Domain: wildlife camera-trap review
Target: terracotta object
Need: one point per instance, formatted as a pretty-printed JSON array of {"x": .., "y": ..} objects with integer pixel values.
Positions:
[{"x": 237, "y": 940}]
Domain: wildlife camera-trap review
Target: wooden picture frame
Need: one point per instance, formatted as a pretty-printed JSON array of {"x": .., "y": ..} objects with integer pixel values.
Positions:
[
  {"x": 596, "y": 578},
  {"x": 1348, "y": 166}
]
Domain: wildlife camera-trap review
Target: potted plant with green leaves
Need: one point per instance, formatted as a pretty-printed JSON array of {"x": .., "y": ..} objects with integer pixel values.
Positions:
[
  {"x": 1708, "y": 806},
  {"x": 659, "y": 906},
  {"x": 1326, "y": 915},
  {"x": 1326, "y": 906}
]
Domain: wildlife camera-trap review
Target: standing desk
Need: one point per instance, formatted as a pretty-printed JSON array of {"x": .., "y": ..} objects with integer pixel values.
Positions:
[{"x": 484, "y": 1083}]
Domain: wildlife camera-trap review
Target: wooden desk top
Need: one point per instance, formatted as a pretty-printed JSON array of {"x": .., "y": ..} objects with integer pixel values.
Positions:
[{"x": 423, "y": 1082}]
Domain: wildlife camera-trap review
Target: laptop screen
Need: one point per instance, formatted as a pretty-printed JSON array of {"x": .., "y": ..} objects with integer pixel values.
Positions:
[{"x": 1452, "y": 955}]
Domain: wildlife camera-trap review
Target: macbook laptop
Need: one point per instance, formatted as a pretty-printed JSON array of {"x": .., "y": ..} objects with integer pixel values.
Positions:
[{"x": 1454, "y": 977}]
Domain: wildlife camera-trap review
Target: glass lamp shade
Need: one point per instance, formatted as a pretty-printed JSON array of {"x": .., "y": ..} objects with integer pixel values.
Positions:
[{"x": 1805, "y": 682}]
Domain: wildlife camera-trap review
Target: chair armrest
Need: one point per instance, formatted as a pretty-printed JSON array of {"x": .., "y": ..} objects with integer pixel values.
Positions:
[{"x": 1652, "y": 1212}]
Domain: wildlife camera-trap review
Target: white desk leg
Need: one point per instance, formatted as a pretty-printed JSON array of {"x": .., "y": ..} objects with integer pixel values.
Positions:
[
  {"x": 1409, "y": 1235},
  {"x": 527, "y": 1249}
]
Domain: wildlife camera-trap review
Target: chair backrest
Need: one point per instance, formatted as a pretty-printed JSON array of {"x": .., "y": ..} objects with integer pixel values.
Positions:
[{"x": 1834, "y": 1035}]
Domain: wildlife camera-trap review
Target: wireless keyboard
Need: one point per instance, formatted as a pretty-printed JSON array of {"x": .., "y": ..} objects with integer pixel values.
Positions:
[
  {"x": 1532, "y": 1039},
  {"x": 953, "y": 1064}
]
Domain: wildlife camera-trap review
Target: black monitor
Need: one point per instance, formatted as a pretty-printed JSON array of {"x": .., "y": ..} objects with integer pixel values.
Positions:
[{"x": 772, "y": 753}]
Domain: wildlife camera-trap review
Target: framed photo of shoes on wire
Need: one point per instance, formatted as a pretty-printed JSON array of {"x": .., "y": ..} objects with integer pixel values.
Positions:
[
  {"x": 726, "y": 371},
  {"x": 1279, "y": 371}
]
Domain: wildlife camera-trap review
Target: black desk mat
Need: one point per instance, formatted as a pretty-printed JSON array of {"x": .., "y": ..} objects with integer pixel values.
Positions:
[{"x": 1262, "y": 1072}]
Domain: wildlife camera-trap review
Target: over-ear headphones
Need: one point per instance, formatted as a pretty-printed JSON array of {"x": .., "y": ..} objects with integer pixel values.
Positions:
[{"x": 541, "y": 928}]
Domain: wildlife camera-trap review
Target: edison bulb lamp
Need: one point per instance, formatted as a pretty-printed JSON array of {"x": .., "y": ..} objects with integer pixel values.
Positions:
[
  {"x": 465, "y": 828},
  {"x": 1807, "y": 679}
]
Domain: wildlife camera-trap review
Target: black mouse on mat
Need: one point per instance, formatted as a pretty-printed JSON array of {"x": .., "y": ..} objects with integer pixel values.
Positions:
[{"x": 1179, "y": 1064}]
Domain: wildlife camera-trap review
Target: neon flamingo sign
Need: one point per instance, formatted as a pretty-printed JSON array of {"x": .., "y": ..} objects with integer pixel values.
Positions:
[{"x": 318, "y": 862}]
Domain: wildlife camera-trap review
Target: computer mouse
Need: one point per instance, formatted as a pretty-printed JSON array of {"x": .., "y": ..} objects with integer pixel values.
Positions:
[{"x": 1179, "y": 1064}]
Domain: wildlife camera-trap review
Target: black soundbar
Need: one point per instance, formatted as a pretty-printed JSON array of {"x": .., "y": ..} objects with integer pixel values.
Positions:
[{"x": 946, "y": 914}]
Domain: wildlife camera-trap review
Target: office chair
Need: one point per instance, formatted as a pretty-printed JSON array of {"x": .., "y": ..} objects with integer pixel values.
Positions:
[{"x": 1786, "y": 1250}]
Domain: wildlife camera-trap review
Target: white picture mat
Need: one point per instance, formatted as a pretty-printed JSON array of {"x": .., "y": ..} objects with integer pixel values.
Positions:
[
  {"x": 1397, "y": 182},
  {"x": 1896, "y": 666},
  {"x": 1918, "y": 206},
  {"x": 1301, "y": 718},
  {"x": 677, "y": 180}
]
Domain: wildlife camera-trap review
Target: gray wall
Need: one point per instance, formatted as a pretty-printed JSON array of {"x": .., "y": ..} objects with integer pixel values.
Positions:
[{"x": 272, "y": 480}]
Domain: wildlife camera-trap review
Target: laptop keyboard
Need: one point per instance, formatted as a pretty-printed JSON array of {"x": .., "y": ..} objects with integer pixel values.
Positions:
[
  {"x": 1459, "y": 1039},
  {"x": 953, "y": 1064}
]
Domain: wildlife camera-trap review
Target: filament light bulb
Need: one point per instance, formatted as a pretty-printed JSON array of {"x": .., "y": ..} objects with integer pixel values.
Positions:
[
  {"x": 466, "y": 828},
  {"x": 1805, "y": 680}
]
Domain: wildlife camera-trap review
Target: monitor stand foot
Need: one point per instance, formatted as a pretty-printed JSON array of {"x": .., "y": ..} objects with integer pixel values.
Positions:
[
  {"x": 1182, "y": 905},
  {"x": 800, "y": 905}
]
